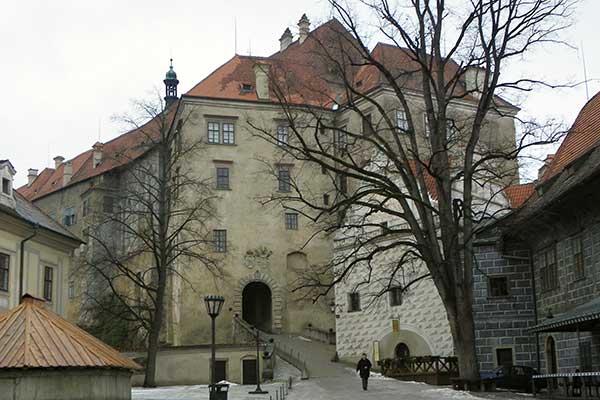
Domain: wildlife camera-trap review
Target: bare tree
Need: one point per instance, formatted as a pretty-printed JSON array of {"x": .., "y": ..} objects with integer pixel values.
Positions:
[
  {"x": 414, "y": 134},
  {"x": 150, "y": 221}
]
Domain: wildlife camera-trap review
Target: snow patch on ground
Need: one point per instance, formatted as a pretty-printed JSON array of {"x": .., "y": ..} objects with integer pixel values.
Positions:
[
  {"x": 304, "y": 338},
  {"x": 447, "y": 393}
]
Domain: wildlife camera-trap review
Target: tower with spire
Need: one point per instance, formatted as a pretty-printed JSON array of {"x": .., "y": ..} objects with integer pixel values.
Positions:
[{"x": 171, "y": 83}]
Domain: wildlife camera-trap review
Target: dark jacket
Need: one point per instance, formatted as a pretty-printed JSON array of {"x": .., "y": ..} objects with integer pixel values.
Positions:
[{"x": 364, "y": 367}]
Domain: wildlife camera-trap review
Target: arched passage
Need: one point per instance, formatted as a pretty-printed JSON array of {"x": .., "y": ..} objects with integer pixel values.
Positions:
[{"x": 257, "y": 305}]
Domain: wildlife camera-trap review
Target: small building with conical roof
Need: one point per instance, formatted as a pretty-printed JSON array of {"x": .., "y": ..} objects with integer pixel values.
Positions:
[{"x": 45, "y": 357}]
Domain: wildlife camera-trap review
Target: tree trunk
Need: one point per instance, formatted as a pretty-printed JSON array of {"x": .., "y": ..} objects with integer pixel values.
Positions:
[
  {"x": 462, "y": 326},
  {"x": 154, "y": 340}
]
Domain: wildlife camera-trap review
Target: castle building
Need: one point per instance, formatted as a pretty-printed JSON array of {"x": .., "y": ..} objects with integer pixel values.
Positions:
[{"x": 36, "y": 253}]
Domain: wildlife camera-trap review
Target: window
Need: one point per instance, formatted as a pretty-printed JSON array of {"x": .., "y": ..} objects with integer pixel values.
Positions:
[
  {"x": 396, "y": 296},
  {"x": 71, "y": 289},
  {"x": 282, "y": 135},
  {"x": 85, "y": 209},
  {"x": 504, "y": 357},
  {"x": 343, "y": 183},
  {"x": 353, "y": 302},
  {"x": 548, "y": 270},
  {"x": 384, "y": 227},
  {"x": 214, "y": 132},
  {"x": 291, "y": 221},
  {"x": 367, "y": 125},
  {"x": 222, "y": 178},
  {"x": 108, "y": 204},
  {"x": 246, "y": 88},
  {"x": 426, "y": 129},
  {"x": 401, "y": 121},
  {"x": 228, "y": 133},
  {"x": 221, "y": 132},
  {"x": 498, "y": 286},
  {"x": 220, "y": 240},
  {"x": 578, "y": 265},
  {"x": 48, "y": 278},
  {"x": 4, "y": 262},
  {"x": 341, "y": 139},
  {"x": 586, "y": 356},
  {"x": 69, "y": 216},
  {"x": 5, "y": 186},
  {"x": 326, "y": 199},
  {"x": 285, "y": 183}
]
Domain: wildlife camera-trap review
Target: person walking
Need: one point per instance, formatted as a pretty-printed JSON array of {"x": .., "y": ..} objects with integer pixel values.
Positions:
[{"x": 364, "y": 369}]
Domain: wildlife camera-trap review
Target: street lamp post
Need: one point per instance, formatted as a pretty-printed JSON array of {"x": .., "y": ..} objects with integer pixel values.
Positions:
[
  {"x": 258, "y": 390},
  {"x": 213, "y": 307}
]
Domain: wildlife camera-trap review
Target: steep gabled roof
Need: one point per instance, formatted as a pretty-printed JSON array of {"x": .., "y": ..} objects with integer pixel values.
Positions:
[
  {"x": 116, "y": 153},
  {"x": 582, "y": 137},
  {"x": 519, "y": 194},
  {"x": 33, "y": 337}
]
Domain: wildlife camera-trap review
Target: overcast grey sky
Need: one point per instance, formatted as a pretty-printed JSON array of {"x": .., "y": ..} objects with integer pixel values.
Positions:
[{"x": 68, "y": 66}]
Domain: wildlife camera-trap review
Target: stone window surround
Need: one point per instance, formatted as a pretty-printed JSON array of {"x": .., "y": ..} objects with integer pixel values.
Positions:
[
  {"x": 577, "y": 257},
  {"x": 48, "y": 280},
  {"x": 354, "y": 297},
  {"x": 542, "y": 256},
  {"x": 220, "y": 121},
  {"x": 222, "y": 164},
  {"x": 6, "y": 186},
  {"x": 5, "y": 267},
  {"x": 489, "y": 286},
  {"x": 220, "y": 240},
  {"x": 276, "y": 297},
  {"x": 284, "y": 186},
  {"x": 503, "y": 347},
  {"x": 291, "y": 221}
]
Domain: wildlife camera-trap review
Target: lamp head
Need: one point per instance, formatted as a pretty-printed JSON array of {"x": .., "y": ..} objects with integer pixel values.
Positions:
[{"x": 214, "y": 304}]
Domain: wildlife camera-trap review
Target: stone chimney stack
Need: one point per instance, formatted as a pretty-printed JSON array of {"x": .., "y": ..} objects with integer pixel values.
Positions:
[
  {"x": 303, "y": 28},
  {"x": 57, "y": 161},
  {"x": 474, "y": 80},
  {"x": 286, "y": 39},
  {"x": 261, "y": 74},
  {"x": 544, "y": 167},
  {"x": 67, "y": 173},
  {"x": 31, "y": 175},
  {"x": 97, "y": 153}
]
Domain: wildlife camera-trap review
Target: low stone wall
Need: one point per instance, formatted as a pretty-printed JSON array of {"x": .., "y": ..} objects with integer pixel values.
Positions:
[
  {"x": 190, "y": 365},
  {"x": 65, "y": 384}
]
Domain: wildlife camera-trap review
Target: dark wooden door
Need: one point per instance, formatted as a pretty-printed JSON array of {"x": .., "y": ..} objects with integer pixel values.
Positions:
[
  {"x": 249, "y": 372},
  {"x": 220, "y": 370}
]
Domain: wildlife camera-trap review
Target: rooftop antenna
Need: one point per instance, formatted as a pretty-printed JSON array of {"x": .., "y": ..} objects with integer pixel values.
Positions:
[
  {"x": 235, "y": 34},
  {"x": 585, "y": 79}
]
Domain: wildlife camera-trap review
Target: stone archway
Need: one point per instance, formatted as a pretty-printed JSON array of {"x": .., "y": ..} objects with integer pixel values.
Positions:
[
  {"x": 551, "y": 358},
  {"x": 276, "y": 297},
  {"x": 256, "y": 306}
]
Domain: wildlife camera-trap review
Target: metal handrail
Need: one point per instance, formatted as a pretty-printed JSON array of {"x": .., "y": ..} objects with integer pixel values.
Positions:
[{"x": 278, "y": 349}]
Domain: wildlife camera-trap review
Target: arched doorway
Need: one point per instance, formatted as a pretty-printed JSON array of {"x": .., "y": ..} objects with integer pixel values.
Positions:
[
  {"x": 551, "y": 361},
  {"x": 256, "y": 305},
  {"x": 402, "y": 352}
]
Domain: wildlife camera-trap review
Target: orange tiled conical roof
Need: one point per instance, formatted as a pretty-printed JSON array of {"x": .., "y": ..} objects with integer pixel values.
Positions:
[{"x": 33, "y": 337}]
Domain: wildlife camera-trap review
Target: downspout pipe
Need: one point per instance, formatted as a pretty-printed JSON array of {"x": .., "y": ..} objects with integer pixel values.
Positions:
[{"x": 22, "y": 260}]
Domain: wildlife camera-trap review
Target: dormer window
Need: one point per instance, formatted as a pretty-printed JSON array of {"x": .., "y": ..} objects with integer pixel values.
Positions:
[
  {"x": 246, "y": 88},
  {"x": 6, "y": 186}
]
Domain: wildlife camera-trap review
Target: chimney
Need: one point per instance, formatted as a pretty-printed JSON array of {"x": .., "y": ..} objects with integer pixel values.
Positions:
[
  {"x": 57, "y": 161},
  {"x": 286, "y": 39},
  {"x": 303, "y": 28},
  {"x": 31, "y": 175},
  {"x": 474, "y": 80},
  {"x": 544, "y": 167},
  {"x": 67, "y": 173},
  {"x": 97, "y": 153},
  {"x": 261, "y": 74}
]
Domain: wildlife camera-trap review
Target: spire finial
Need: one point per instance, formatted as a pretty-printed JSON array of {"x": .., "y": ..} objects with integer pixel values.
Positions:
[{"x": 171, "y": 63}]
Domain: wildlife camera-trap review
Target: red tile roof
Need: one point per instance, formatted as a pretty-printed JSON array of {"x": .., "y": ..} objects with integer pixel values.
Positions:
[
  {"x": 33, "y": 337},
  {"x": 582, "y": 137},
  {"x": 519, "y": 194},
  {"x": 116, "y": 152}
]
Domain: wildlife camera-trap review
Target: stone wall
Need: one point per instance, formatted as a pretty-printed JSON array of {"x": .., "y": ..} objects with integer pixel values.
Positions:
[{"x": 501, "y": 322}]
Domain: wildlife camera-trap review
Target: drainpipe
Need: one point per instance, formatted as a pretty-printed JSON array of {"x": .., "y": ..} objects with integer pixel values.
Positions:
[{"x": 22, "y": 260}]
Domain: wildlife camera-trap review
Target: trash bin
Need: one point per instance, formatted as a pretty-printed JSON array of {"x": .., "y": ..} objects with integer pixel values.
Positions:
[{"x": 218, "y": 391}]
